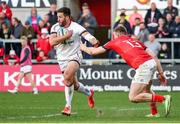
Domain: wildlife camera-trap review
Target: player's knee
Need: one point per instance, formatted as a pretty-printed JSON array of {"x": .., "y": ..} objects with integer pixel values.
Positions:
[
  {"x": 132, "y": 99},
  {"x": 68, "y": 84},
  {"x": 67, "y": 78}
]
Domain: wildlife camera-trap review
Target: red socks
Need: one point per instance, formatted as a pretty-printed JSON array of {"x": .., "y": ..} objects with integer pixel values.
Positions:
[
  {"x": 153, "y": 108},
  {"x": 157, "y": 98}
]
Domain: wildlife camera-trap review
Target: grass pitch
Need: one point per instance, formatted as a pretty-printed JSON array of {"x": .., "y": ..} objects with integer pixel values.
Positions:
[{"x": 110, "y": 107}]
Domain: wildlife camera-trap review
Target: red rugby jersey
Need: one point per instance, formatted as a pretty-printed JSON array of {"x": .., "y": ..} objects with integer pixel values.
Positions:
[{"x": 131, "y": 50}]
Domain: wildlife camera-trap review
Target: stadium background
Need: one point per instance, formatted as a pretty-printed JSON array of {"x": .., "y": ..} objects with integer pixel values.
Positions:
[
  {"x": 101, "y": 73},
  {"x": 105, "y": 13}
]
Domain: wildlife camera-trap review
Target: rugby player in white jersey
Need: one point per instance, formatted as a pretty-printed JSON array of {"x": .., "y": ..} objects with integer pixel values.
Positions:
[{"x": 66, "y": 37}]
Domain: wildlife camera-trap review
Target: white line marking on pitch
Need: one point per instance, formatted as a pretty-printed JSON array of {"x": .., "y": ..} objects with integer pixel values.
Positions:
[
  {"x": 124, "y": 109},
  {"x": 34, "y": 117}
]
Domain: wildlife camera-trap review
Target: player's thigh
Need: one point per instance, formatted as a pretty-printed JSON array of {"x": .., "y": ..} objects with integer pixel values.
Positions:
[
  {"x": 21, "y": 75},
  {"x": 29, "y": 76},
  {"x": 145, "y": 72},
  {"x": 71, "y": 69}
]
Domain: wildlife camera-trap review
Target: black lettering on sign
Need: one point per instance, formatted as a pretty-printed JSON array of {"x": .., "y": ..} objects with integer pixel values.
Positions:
[{"x": 29, "y": 3}]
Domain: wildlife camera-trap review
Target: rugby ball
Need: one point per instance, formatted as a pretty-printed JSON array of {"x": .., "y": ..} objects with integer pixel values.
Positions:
[{"x": 62, "y": 31}]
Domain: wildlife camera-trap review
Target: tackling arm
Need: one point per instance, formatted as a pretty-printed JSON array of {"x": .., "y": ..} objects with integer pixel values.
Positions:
[
  {"x": 92, "y": 50},
  {"x": 86, "y": 35}
]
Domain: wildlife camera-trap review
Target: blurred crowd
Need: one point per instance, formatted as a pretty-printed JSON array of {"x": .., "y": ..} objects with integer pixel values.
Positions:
[
  {"x": 35, "y": 27},
  {"x": 155, "y": 24}
]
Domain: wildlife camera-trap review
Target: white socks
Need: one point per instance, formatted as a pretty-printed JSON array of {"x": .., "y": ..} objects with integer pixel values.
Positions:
[
  {"x": 35, "y": 89},
  {"x": 70, "y": 90},
  {"x": 69, "y": 94},
  {"x": 83, "y": 89},
  {"x": 16, "y": 88}
]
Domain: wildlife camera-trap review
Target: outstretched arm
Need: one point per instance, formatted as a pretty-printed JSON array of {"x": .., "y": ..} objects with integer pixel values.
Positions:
[
  {"x": 56, "y": 39},
  {"x": 92, "y": 50},
  {"x": 86, "y": 35},
  {"x": 162, "y": 78}
]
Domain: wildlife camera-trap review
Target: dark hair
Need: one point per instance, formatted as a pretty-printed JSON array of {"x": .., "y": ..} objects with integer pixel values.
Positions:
[
  {"x": 66, "y": 11},
  {"x": 17, "y": 20},
  {"x": 121, "y": 29},
  {"x": 123, "y": 14},
  {"x": 3, "y": 2},
  {"x": 85, "y": 5}
]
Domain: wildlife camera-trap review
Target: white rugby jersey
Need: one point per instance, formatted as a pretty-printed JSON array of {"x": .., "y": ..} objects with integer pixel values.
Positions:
[{"x": 71, "y": 47}]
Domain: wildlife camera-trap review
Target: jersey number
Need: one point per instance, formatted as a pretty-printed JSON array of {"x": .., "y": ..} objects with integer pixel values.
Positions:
[{"x": 133, "y": 43}]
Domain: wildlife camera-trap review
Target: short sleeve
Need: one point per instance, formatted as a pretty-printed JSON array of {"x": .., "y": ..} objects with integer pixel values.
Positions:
[
  {"x": 53, "y": 29},
  {"x": 80, "y": 28}
]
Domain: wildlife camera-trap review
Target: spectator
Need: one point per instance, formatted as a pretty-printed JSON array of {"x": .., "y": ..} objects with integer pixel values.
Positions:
[
  {"x": 12, "y": 55},
  {"x": 52, "y": 54},
  {"x": 88, "y": 21},
  {"x": 52, "y": 14},
  {"x": 153, "y": 45},
  {"x": 1, "y": 50},
  {"x": 43, "y": 42},
  {"x": 30, "y": 34},
  {"x": 169, "y": 21},
  {"x": 5, "y": 33},
  {"x": 175, "y": 33},
  {"x": 16, "y": 34},
  {"x": 28, "y": 31},
  {"x": 46, "y": 21},
  {"x": 4, "y": 20},
  {"x": 6, "y": 10},
  {"x": 42, "y": 24},
  {"x": 134, "y": 16},
  {"x": 136, "y": 27},
  {"x": 143, "y": 34},
  {"x": 164, "y": 53},
  {"x": 41, "y": 56},
  {"x": 170, "y": 9},
  {"x": 124, "y": 22},
  {"x": 34, "y": 19},
  {"x": 151, "y": 19},
  {"x": 123, "y": 10},
  {"x": 162, "y": 31},
  {"x": 84, "y": 6},
  {"x": 175, "y": 28}
]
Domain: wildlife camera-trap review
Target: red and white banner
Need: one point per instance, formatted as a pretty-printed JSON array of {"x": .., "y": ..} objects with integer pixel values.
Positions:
[{"x": 46, "y": 77}]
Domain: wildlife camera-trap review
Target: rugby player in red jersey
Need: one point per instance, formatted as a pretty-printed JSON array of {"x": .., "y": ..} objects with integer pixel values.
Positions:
[{"x": 143, "y": 61}]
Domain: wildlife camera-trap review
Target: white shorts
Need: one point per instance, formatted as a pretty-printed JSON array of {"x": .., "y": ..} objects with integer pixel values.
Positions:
[
  {"x": 145, "y": 72},
  {"x": 63, "y": 63},
  {"x": 25, "y": 69}
]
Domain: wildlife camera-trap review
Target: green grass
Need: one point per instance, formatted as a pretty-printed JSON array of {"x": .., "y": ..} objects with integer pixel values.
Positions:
[{"x": 110, "y": 107}]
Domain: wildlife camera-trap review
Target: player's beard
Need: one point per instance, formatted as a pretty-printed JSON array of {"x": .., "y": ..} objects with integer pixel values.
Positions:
[{"x": 63, "y": 23}]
